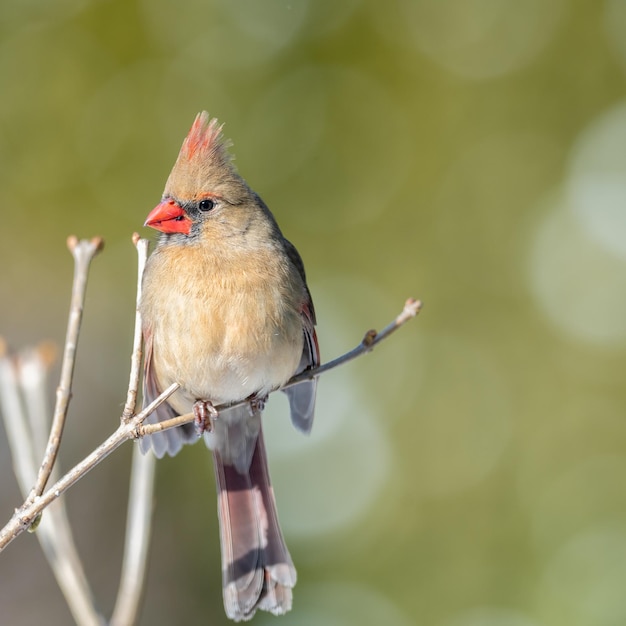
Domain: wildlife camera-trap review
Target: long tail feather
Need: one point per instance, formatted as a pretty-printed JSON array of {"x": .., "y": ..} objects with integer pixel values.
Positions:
[{"x": 256, "y": 566}]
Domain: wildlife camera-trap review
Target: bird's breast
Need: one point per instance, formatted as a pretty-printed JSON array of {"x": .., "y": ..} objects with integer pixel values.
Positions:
[{"x": 223, "y": 328}]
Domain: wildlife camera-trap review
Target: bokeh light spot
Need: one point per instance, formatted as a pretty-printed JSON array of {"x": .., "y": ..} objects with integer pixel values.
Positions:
[
  {"x": 584, "y": 582},
  {"x": 596, "y": 185},
  {"x": 326, "y": 483},
  {"x": 577, "y": 283}
]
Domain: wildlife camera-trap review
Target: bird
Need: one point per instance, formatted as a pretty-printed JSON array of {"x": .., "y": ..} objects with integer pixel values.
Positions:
[{"x": 227, "y": 314}]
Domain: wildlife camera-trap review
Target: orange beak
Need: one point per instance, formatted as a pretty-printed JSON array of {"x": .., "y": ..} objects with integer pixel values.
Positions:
[{"x": 169, "y": 217}]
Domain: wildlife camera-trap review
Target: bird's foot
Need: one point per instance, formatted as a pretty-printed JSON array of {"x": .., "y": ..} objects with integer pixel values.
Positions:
[
  {"x": 204, "y": 413},
  {"x": 257, "y": 403}
]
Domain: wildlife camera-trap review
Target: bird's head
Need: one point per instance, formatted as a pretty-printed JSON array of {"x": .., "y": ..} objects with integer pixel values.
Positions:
[{"x": 204, "y": 192}]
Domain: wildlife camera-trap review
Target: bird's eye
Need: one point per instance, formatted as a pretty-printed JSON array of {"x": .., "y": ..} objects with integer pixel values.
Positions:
[{"x": 206, "y": 205}]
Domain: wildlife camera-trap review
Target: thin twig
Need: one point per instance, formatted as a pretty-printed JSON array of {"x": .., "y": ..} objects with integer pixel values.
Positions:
[
  {"x": 34, "y": 366},
  {"x": 370, "y": 340},
  {"x": 140, "y": 496},
  {"x": 135, "y": 361},
  {"x": 137, "y": 541},
  {"x": 16, "y": 424},
  {"x": 83, "y": 252}
]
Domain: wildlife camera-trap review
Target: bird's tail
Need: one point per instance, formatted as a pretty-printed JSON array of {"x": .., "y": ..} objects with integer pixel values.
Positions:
[{"x": 256, "y": 567}]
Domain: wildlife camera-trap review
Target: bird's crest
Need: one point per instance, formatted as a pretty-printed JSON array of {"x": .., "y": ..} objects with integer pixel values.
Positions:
[
  {"x": 203, "y": 159},
  {"x": 205, "y": 141}
]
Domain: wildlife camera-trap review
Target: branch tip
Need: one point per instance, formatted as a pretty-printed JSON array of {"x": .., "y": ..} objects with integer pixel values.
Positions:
[
  {"x": 412, "y": 306},
  {"x": 88, "y": 248},
  {"x": 72, "y": 242},
  {"x": 97, "y": 243}
]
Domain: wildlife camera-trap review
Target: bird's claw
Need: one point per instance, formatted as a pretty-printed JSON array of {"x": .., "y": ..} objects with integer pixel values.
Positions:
[
  {"x": 257, "y": 403},
  {"x": 204, "y": 414}
]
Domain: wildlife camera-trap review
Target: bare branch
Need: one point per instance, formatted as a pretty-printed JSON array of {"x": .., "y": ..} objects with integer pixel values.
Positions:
[
  {"x": 32, "y": 370},
  {"x": 83, "y": 252},
  {"x": 137, "y": 541},
  {"x": 139, "y": 516},
  {"x": 135, "y": 363},
  {"x": 16, "y": 425}
]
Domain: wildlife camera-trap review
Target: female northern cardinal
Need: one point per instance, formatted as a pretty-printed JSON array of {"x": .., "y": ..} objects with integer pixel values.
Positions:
[{"x": 227, "y": 314}]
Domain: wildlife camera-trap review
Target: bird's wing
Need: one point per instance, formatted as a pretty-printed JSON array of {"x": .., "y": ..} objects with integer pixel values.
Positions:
[
  {"x": 302, "y": 396},
  {"x": 168, "y": 441}
]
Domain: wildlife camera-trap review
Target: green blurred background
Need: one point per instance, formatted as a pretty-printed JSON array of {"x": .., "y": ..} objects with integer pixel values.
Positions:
[{"x": 472, "y": 153}]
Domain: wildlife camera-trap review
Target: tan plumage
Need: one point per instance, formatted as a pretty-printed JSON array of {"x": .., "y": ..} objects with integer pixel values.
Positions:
[{"x": 227, "y": 315}]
